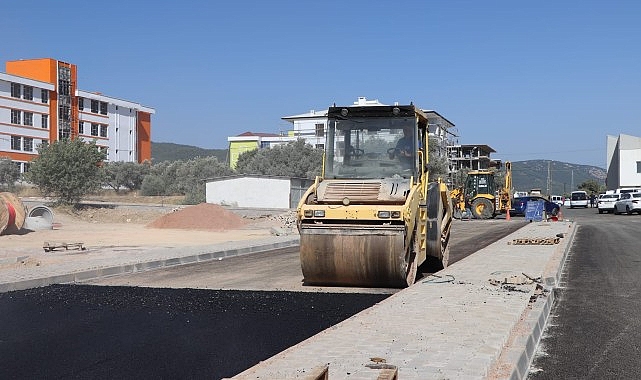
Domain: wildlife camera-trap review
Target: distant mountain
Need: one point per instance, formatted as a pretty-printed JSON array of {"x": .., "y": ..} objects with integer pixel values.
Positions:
[
  {"x": 564, "y": 177},
  {"x": 174, "y": 152}
]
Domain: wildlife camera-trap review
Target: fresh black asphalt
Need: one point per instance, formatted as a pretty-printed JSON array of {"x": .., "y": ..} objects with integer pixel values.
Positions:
[{"x": 96, "y": 332}]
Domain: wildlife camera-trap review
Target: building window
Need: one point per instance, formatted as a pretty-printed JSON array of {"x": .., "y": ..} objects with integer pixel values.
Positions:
[
  {"x": 81, "y": 127},
  {"x": 28, "y": 118},
  {"x": 15, "y": 90},
  {"x": 27, "y": 93},
  {"x": 44, "y": 143},
  {"x": 44, "y": 121},
  {"x": 16, "y": 141},
  {"x": 81, "y": 104},
  {"x": 104, "y": 150},
  {"x": 27, "y": 144},
  {"x": 638, "y": 166},
  {"x": 103, "y": 108},
  {"x": 26, "y": 166},
  {"x": 63, "y": 133},
  {"x": 44, "y": 96},
  {"x": 103, "y": 131},
  {"x": 94, "y": 129},
  {"x": 94, "y": 106},
  {"x": 320, "y": 130},
  {"x": 16, "y": 115}
]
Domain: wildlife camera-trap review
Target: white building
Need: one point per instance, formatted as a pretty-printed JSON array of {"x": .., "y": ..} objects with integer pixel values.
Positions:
[
  {"x": 624, "y": 162},
  {"x": 311, "y": 127},
  {"x": 41, "y": 103}
]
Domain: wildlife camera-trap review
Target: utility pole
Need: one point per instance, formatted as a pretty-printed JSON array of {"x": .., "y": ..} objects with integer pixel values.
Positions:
[
  {"x": 572, "y": 183},
  {"x": 548, "y": 184}
]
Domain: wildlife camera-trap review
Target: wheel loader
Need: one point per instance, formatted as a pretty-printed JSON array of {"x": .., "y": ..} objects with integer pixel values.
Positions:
[
  {"x": 371, "y": 218},
  {"x": 486, "y": 198}
]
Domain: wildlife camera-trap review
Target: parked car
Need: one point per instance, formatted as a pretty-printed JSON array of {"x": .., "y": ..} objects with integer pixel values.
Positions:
[
  {"x": 578, "y": 199},
  {"x": 606, "y": 202},
  {"x": 519, "y": 205},
  {"x": 628, "y": 203}
]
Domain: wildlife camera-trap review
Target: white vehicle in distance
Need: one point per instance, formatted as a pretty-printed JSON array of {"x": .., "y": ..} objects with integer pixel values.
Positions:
[
  {"x": 578, "y": 199},
  {"x": 557, "y": 199},
  {"x": 628, "y": 203},
  {"x": 606, "y": 202}
]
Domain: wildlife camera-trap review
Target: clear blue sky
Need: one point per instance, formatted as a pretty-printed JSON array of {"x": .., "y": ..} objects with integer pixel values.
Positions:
[{"x": 534, "y": 80}]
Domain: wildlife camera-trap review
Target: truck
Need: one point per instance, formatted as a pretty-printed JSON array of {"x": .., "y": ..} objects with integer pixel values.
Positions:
[
  {"x": 372, "y": 218},
  {"x": 486, "y": 197}
]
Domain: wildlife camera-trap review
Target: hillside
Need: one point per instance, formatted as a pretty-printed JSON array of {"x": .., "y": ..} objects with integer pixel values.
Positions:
[
  {"x": 174, "y": 152},
  {"x": 564, "y": 177}
]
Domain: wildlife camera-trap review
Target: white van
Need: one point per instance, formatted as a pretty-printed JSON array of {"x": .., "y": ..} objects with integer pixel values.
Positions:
[
  {"x": 578, "y": 199},
  {"x": 557, "y": 199}
]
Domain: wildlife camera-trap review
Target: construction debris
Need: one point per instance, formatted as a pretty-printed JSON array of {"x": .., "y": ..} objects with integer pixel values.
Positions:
[
  {"x": 48, "y": 247},
  {"x": 535, "y": 241}
]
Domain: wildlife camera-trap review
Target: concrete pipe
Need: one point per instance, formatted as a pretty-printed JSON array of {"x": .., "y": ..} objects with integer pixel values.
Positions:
[{"x": 39, "y": 218}]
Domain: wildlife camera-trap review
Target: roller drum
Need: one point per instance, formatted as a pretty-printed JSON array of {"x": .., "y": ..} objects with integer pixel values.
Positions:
[{"x": 354, "y": 256}]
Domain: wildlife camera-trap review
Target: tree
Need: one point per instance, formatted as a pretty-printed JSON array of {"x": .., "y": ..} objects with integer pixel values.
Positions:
[
  {"x": 184, "y": 178},
  {"x": 9, "y": 174},
  {"x": 295, "y": 159},
  {"x": 437, "y": 165},
  {"x": 591, "y": 186},
  {"x": 67, "y": 169},
  {"x": 124, "y": 174}
]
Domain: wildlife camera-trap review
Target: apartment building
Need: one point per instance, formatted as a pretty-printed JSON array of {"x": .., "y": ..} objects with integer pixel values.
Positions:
[
  {"x": 311, "y": 127},
  {"x": 40, "y": 103}
]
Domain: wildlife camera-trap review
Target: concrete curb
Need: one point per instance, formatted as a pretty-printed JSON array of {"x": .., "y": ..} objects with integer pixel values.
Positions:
[{"x": 115, "y": 270}]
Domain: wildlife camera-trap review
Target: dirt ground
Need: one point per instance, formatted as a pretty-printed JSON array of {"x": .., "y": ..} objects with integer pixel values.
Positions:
[{"x": 136, "y": 226}]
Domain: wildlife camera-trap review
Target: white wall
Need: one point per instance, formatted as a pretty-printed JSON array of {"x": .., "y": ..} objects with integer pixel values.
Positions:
[
  {"x": 630, "y": 154},
  {"x": 249, "y": 192}
]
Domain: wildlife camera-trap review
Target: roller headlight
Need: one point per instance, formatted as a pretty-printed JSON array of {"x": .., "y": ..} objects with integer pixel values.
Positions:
[{"x": 384, "y": 214}]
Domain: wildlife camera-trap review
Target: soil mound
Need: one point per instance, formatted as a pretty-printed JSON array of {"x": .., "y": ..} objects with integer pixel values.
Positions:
[{"x": 205, "y": 216}]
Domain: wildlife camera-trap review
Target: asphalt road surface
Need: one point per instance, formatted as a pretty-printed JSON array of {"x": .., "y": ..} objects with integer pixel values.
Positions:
[
  {"x": 595, "y": 326},
  {"x": 127, "y": 332},
  {"x": 280, "y": 269}
]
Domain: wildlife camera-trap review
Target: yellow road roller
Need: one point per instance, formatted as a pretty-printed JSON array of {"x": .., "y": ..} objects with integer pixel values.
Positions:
[{"x": 372, "y": 218}]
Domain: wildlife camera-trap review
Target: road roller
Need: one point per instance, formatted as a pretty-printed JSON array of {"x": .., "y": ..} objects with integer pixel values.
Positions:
[{"x": 371, "y": 217}]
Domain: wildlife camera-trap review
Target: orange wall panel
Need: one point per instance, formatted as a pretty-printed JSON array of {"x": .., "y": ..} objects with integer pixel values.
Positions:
[
  {"x": 43, "y": 69},
  {"x": 19, "y": 156},
  {"x": 144, "y": 136}
]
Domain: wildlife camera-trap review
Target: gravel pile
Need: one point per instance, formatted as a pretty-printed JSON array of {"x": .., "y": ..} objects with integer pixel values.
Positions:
[{"x": 204, "y": 216}]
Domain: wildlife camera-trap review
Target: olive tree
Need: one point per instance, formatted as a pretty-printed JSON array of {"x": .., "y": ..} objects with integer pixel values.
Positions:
[
  {"x": 294, "y": 159},
  {"x": 183, "y": 178},
  {"x": 67, "y": 170},
  {"x": 9, "y": 174},
  {"x": 129, "y": 175}
]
